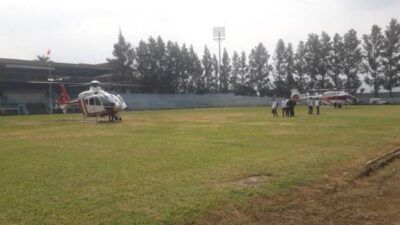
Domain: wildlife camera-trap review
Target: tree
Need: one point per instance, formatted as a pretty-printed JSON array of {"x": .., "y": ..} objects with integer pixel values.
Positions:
[
  {"x": 160, "y": 58},
  {"x": 284, "y": 69},
  {"x": 290, "y": 68},
  {"x": 391, "y": 55},
  {"x": 300, "y": 66},
  {"x": 42, "y": 58},
  {"x": 144, "y": 65},
  {"x": 208, "y": 76},
  {"x": 351, "y": 61},
  {"x": 151, "y": 63},
  {"x": 313, "y": 47},
  {"x": 216, "y": 69},
  {"x": 243, "y": 70},
  {"x": 225, "y": 72},
  {"x": 173, "y": 66},
  {"x": 195, "y": 71},
  {"x": 184, "y": 71},
  {"x": 337, "y": 61},
  {"x": 280, "y": 69},
  {"x": 123, "y": 61},
  {"x": 325, "y": 56},
  {"x": 243, "y": 83},
  {"x": 372, "y": 65},
  {"x": 259, "y": 68},
  {"x": 233, "y": 80}
]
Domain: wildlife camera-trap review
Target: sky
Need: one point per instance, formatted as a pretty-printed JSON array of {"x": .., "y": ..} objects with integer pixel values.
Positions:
[{"x": 84, "y": 31}]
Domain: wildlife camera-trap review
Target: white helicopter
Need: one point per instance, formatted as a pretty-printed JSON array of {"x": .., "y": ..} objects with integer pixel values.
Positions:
[
  {"x": 94, "y": 102},
  {"x": 328, "y": 96}
]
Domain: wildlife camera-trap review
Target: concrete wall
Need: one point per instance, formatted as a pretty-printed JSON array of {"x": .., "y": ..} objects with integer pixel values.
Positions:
[{"x": 170, "y": 101}]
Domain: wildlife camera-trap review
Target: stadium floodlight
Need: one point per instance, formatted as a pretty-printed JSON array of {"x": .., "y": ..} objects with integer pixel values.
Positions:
[
  {"x": 50, "y": 80},
  {"x": 219, "y": 35}
]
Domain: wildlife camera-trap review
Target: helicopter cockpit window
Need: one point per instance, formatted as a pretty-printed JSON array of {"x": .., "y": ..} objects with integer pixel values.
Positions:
[
  {"x": 97, "y": 101},
  {"x": 91, "y": 101},
  {"x": 86, "y": 101},
  {"x": 107, "y": 101}
]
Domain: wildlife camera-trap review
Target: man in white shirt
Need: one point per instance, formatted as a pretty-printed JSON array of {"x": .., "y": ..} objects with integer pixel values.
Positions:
[
  {"x": 317, "y": 105},
  {"x": 310, "y": 106},
  {"x": 283, "y": 106},
  {"x": 274, "y": 108}
]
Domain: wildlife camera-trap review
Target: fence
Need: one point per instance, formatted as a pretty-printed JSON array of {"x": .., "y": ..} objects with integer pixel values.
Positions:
[
  {"x": 171, "y": 101},
  {"x": 390, "y": 100}
]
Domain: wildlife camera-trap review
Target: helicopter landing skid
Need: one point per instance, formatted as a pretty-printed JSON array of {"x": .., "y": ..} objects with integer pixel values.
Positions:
[
  {"x": 86, "y": 119},
  {"x": 101, "y": 119},
  {"x": 114, "y": 118}
]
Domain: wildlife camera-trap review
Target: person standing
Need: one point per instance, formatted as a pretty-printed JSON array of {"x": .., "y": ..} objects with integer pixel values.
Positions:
[
  {"x": 274, "y": 108},
  {"x": 292, "y": 109},
  {"x": 289, "y": 106},
  {"x": 287, "y": 109},
  {"x": 283, "y": 106},
  {"x": 340, "y": 104},
  {"x": 310, "y": 106},
  {"x": 317, "y": 105}
]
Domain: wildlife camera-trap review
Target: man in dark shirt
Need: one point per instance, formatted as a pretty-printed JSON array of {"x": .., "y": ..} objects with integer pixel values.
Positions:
[{"x": 290, "y": 108}]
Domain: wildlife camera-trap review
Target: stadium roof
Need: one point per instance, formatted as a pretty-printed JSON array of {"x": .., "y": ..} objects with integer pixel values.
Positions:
[{"x": 18, "y": 67}]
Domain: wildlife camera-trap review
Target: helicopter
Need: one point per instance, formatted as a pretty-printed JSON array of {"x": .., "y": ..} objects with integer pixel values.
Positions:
[
  {"x": 328, "y": 96},
  {"x": 94, "y": 102}
]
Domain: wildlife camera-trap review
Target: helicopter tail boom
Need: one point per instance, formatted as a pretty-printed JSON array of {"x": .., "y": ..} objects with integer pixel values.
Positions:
[
  {"x": 64, "y": 97},
  {"x": 64, "y": 100}
]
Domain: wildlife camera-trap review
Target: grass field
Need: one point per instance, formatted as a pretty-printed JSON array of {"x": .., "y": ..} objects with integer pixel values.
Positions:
[{"x": 173, "y": 166}]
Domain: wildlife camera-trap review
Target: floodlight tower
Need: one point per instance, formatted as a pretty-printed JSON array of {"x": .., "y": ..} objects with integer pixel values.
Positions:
[
  {"x": 219, "y": 35},
  {"x": 50, "y": 80}
]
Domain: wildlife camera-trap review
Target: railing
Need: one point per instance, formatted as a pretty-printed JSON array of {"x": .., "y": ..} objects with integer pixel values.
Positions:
[{"x": 11, "y": 108}]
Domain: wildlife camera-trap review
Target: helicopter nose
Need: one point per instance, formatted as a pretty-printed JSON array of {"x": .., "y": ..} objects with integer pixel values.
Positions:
[
  {"x": 110, "y": 106},
  {"x": 117, "y": 106}
]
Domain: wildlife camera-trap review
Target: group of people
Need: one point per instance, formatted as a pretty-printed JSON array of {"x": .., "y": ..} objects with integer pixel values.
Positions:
[
  {"x": 287, "y": 106},
  {"x": 311, "y": 104},
  {"x": 337, "y": 104}
]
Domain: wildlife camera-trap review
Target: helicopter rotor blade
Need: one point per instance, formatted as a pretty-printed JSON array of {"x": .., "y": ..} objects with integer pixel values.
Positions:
[
  {"x": 78, "y": 85},
  {"x": 73, "y": 84},
  {"x": 57, "y": 82},
  {"x": 121, "y": 85}
]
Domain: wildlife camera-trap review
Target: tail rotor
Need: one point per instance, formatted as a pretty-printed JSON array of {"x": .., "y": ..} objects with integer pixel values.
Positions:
[{"x": 64, "y": 100}]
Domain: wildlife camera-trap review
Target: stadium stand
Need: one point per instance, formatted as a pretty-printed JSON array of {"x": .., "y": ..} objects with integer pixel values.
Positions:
[{"x": 21, "y": 97}]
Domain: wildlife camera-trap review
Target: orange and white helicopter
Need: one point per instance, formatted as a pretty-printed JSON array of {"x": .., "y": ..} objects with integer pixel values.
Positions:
[
  {"x": 94, "y": 102},
  {"x": 328, "y": 97}
]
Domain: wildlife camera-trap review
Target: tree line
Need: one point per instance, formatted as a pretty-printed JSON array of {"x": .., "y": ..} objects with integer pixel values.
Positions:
[{"x": 320, "y": 62}]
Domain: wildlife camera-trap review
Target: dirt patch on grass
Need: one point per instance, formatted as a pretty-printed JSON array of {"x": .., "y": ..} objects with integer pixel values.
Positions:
[
  {"x": 338, "y": 199},
  {"x": 250, "y": 181}
]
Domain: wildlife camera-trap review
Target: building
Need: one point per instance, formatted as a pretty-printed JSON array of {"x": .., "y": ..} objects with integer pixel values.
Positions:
[{"x": 19, "y": 94}]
